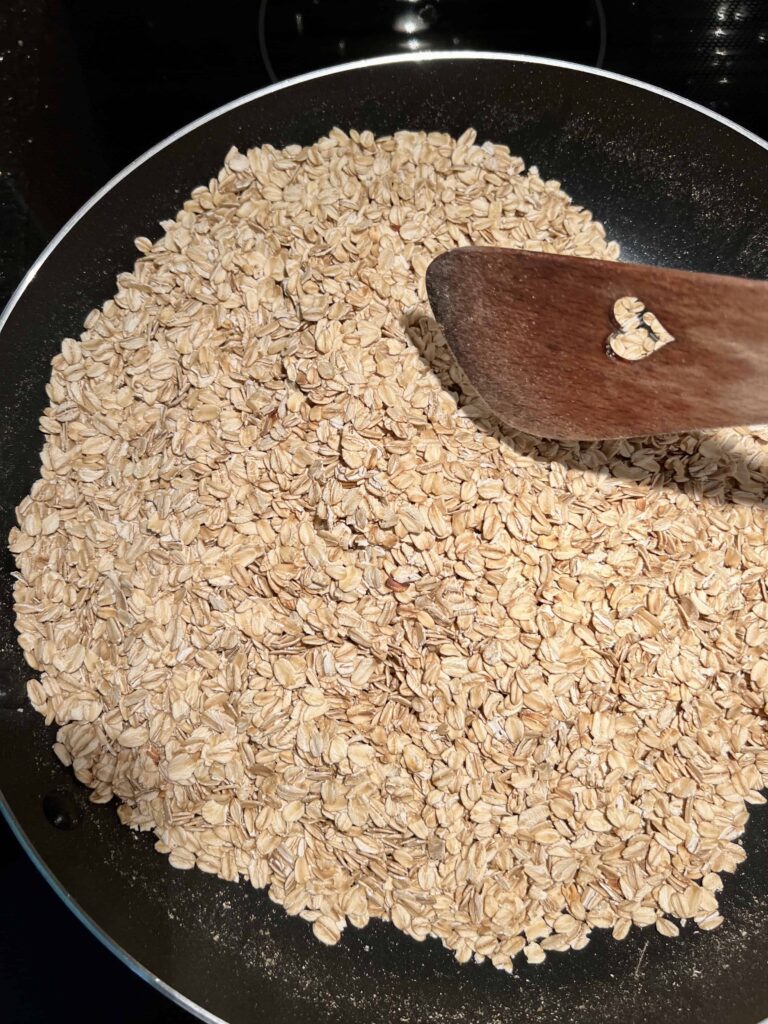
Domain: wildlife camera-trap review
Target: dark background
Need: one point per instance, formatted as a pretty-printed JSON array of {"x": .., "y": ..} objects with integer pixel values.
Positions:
[{"x": 87, "y": 85}]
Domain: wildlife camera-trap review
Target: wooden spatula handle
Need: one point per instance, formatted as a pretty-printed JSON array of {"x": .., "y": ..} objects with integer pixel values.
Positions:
[{"x": 530, "y": 331}]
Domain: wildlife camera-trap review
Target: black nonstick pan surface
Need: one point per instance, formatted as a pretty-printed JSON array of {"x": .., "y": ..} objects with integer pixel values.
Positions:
[{"x": 677, "y": 186}]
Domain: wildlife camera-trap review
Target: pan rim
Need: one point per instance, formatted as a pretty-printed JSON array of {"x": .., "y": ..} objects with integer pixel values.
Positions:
[{"x": 416, "y": 58}]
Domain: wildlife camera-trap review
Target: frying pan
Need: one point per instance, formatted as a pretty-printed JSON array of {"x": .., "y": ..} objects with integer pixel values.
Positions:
[{"x": 676, "y": 185}]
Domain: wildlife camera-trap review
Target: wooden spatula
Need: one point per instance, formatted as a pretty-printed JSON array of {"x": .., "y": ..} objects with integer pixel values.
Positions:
[{"x": 530, "y": 331}]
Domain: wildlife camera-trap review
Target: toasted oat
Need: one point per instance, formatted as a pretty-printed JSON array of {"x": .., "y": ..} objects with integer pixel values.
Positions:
[{"x": 316, "y": 619}]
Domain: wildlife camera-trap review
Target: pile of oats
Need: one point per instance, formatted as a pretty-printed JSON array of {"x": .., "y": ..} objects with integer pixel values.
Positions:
[{"x": 305, "y": 608}]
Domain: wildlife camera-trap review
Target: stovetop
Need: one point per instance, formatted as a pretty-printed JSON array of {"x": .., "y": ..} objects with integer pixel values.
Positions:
[{"x": 87, "y": 85}]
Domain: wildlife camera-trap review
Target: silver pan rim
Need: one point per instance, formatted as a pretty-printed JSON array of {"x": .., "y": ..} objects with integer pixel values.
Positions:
[{"x": 417, "y": 58}]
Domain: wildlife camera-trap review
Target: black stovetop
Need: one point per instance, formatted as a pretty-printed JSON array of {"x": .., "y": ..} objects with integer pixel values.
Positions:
[{"x": 87, "y": 85}]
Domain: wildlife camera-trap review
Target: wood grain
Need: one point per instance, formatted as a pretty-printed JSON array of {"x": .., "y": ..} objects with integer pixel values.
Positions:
[{"x": 530, "y": 331}]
